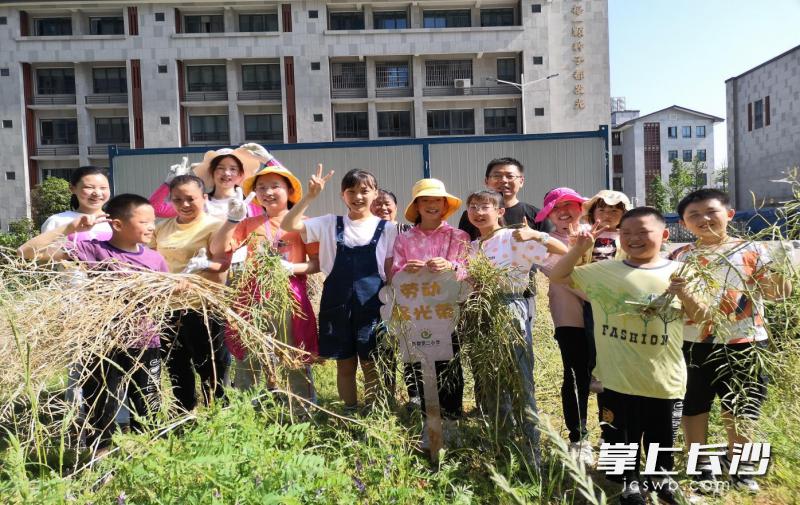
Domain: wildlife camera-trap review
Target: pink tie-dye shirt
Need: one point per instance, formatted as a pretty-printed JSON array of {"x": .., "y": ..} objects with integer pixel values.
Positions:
[{"x": 418, "y": 244}]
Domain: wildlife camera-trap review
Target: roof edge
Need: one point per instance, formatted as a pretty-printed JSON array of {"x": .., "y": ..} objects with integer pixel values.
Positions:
[{"x": 795, "y": 48}]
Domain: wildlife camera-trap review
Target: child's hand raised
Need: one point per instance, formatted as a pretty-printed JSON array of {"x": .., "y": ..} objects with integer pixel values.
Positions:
[
  {"x": 583, "y": 236},
  {"x": 237, "y": 205},
  {"x": 525, "y": 234},
  {"x": 85, "y": 223},
  {"x": 317, "y": 182}
]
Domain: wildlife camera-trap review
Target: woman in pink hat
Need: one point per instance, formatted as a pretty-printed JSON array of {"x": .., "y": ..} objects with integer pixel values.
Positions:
[{"x": 222, "y": 171}]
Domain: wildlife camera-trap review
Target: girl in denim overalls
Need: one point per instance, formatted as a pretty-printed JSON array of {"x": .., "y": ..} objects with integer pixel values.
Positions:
[{"x": 353, "y": 251}]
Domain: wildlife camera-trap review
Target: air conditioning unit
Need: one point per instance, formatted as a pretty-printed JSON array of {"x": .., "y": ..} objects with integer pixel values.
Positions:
[{"x": 462, "y": 83}]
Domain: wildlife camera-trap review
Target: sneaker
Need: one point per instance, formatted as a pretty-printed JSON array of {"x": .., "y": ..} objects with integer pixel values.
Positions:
[
  {"x": 451, "y": 435},
  {"x": 742, "y": 482},
  {"x": 582, "y": 452},
  {"x": 632, "y": 498},
  {"x": 595, "y": 386},
  {"x": 706, "y": 482},
  {"x": 667, "y": 491}
]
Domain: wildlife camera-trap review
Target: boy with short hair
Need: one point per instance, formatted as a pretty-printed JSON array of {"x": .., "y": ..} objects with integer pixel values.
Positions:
[
  {"x": 639, "y": 356},
  {"x": 354, "y": 252},
  {"x": 721, "y": 356},
  {"x": 132, "y": 221}
]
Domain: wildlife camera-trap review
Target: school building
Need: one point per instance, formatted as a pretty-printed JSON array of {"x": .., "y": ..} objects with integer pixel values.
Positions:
[
  {"x": 763, "y": 109},
  {"x": 80, "y": 76}
]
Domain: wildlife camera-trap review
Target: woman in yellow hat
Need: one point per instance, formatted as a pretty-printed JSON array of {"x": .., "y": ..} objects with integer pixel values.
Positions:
[
  {"x": 274, "y": 189},
  {"x": 222, "y": 171},
  {"x": 433, "y": 244}
]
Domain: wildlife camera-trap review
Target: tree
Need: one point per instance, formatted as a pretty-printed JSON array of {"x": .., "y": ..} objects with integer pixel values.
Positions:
[
  {"x": 721, "y": 179},
  {"x": 48, "y": 198},
  {"x": 658, "y": 196},
  {"x": 681, "y": 180},
  {"x": 18, "y": 233},
  {"x": 698, "y": 171}
]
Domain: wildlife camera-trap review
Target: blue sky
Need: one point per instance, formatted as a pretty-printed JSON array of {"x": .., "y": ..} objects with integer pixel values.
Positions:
[{"x": 666, "y": 52}]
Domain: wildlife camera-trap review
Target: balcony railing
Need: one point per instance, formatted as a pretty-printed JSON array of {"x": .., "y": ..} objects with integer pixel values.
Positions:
[
  {"x": 102, "y": 149},
  {"x": 107, "y": 98},
  {"x": 472, "y": 91},
  {"x": 57, "y": 151},
  {"x": 54, "y": 100},
  {"x": 393, "y": 92},
  {"x": 264, "y": 94},
  {"x": 349, "y": 93},
  {"x": 206, "y": 96}
]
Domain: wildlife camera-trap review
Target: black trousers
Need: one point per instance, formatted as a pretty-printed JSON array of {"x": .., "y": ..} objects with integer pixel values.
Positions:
[
  {"x": 449, "y": 382},
  {"x": 641, "y": 420},
  {"x": 135, "y": 372},
  {"x": 576, "y": 353},
  {"x": 190, "y": 346}
]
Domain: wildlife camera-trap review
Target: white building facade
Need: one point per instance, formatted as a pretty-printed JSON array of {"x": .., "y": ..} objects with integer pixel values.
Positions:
[
  {"x": 79, "y": 76},
  {"x": 643, "y": 147},
  {"x": 763, "y": 108}
]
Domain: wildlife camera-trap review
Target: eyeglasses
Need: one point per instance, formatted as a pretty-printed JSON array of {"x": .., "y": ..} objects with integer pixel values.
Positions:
[
  {"x": 480, "y": 208},
  {"x": 504, "y": 177}
]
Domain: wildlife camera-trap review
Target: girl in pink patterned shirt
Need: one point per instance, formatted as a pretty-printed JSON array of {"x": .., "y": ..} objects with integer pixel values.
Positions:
[{"x": 433, "y": 244}]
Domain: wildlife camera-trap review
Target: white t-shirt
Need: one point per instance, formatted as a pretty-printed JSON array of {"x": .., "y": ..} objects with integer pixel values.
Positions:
[
  {"x": 100, "y": 231},
  {"x": 504, "y": 251},
  {"x": 322, "y": 229},
  {"x": 218, "y": 208}
]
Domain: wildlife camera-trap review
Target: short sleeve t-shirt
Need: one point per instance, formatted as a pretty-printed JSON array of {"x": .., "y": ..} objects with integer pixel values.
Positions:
[
  {"x": 635, "y": 355},
  {"x": 262, "y": 230},
  {"x": 504, "y": 251},
  {"x": 606, "y": 246},
  {"x": 100, "y": 231},
  {"x": 179, "y": 242},
  {"x": 101, "y": 254},
  {"x": 322, "y": 229},
  {"x": 733, "y": 267}
]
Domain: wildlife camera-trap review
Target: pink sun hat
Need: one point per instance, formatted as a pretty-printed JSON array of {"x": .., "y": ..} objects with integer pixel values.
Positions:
[{"x": 554, "y": 197}]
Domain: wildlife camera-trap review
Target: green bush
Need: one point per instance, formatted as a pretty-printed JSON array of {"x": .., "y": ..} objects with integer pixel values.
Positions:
[
  {"x": 18, "y": 233},
  {"x": 48, "y": 198}
]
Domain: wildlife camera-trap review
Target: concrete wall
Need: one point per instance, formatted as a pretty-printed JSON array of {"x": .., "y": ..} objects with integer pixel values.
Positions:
[{"x": 757, "y": 157}]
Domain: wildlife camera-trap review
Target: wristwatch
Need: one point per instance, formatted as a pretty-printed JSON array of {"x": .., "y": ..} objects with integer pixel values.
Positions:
[{"x": 544, "y": 237}]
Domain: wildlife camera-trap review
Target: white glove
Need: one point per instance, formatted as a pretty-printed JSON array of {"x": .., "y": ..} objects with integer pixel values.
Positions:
[
  {"x": 288, "y": 266},
  {"x": 77, "y": 279},
  {"x": 198, "y": 262},
  {"x": 237, "y": 207},
  {"x": 181, "y": 168},
  {"x": 257, "y": 149}
]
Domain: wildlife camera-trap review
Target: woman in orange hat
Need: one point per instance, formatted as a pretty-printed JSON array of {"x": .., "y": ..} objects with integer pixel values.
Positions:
[
  {"x": 275, "y": 190},
  {"x": 222, "y": 171}
]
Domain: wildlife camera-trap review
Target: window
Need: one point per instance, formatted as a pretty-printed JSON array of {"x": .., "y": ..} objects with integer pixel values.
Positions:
[
  {"x": 686, "y": 132},
  {"x": 59, "y": 173},
  {"x": 700, "y": 132},
  {"x": 672, "y": 132},
  {"x": 164, "y": 120},
  {"x": 447, "y": 19},
  {"x": 346, "y": 21},
  {"x": 618, "y": 167},
  {"x": 162, "y": 69},
  {"x": 204, "y": 24},
  {"x": 617, "y": 183},
  {"x": 758, "y": 106},
  {"x": 261, "y": 77},
  {"x": 390, "y": 20},
  {"x": 48, "y": 27},
  {"x": 7, "y": 123},
  {"x": 392, "y": 75},
  {"x": 206, "y": 78},
  {"x": 538, "y": 60},
  {"x": 11, "y": 176},
  {"x": 701, "y": 155},
  {"x": 351, "y": 125},
  {"x": 616, "y": 139},
  {"x": 260, "y": 127},
  {"x": 396, "y": 123},
  {"x": 258, "y": 22},
  {"x": 55, "y": 81},
  {"x": 507, "y": 69},
  {"x": 111, "y": 130},
  {"x": 349, "y": 75},
  {"x": 687, "y": 155},
  {"x": 4, "y": 72},
  {"x": 109, "y": 80},
  {"x": 317, "y": 118},
  {"x": 209, "y": 129},
  {"x": 497, "y": 17},
  {"x": 313, "y": 14},
  {"x": 672, "y": 155},
  {"x": 451, "y": 122},
  {"x": 159, "y": 17},
  {"x": 500, "y": 121},
  {"x": 536, "y": 8},
  {"x": 3, "y": 20},
  {"x": 106, "y": 26},
  {"x": 538, "y": 111},
  {"x": 58, "y": 131},
  {"x": 444, "y": 72},
  {"x": 314, "y": 65}
]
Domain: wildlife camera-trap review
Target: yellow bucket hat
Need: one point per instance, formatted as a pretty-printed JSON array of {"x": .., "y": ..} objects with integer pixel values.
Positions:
[
  {"x": 271, "y": 165},
  {"x": 431, "y": 187}
]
